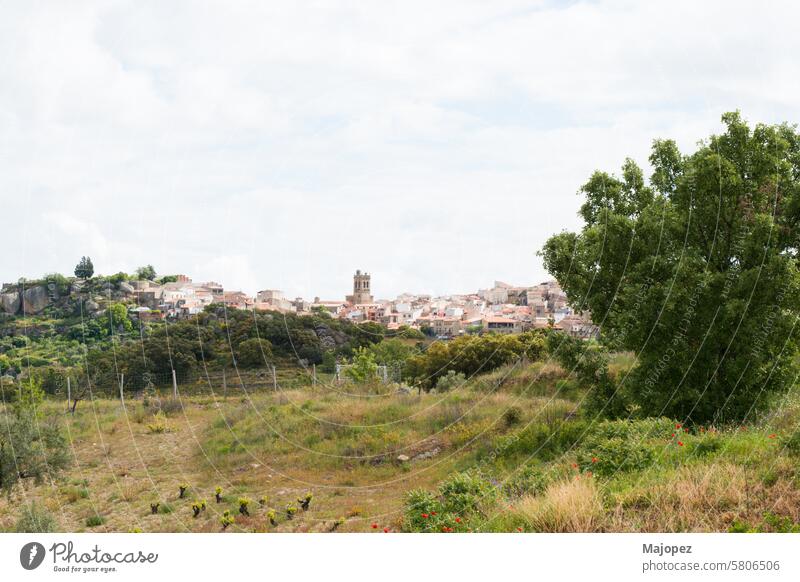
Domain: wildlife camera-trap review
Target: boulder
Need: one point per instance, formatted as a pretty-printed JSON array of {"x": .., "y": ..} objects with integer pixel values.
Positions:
[
  {"x": 126, "y": 288},
  {"x": 35, "y": 299},
  {"x": 91, "y": 306},
  {"x": 403, "y": 458},
  {"x": 10, "y": 302}
]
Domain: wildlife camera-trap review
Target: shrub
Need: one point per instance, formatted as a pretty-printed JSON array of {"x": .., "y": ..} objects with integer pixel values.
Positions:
[
  {"x": 182, "y": 490},
  {"x": 450, "y": 380},
  {"x": 622, "y": 445},
  {"x": 272, "y": 517},
  {"x": 154, "y": 508},
  {"x": 218, "y": 494},
  {"x": 95, "y": 520},
  {"x": 159, "y": 424},
  {"x": 512, "y": 416},
  {"x": 198, "y": 506},
  {"x": 243, "y": 503},
  {"x": 527, "y": 481},
  {"x": 226, "y": 519},
  {"x": 35, "y": 519},
  {"x": 264, "y": 500},
  {"x": 290, "y": 511},
  {"x": 305, "y": 501},
  {"x": 459, "y": 497},
  {"x": 792, "y": 443},
  {"x": 464, "y": 492}
]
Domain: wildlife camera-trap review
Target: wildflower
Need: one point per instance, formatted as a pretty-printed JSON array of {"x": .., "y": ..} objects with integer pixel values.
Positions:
[
  {"x": 433, "y": 513},
  {"x": 444, "y": 528},
  {"x": 458, "y": 520},
  {"x": 424, "y": 516},
  {"x": 678, "y": 426},
  {"x": 519, "y": 529},
  {"x": 673, "y": 434},
  {"x": 594, "y": 459},
  {"x": 680, "y": 443},
  {"x": 386, "y": 530},
  {"x": 574, "y": 465},
  {"x": 772, "y": 436},
  {"x": 374, "y": 526}
]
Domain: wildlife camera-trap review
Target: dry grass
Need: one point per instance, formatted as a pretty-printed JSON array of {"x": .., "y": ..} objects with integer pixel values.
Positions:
[
  {"x": 566, "y": 506},
  {"x": 697, "y": 498}
]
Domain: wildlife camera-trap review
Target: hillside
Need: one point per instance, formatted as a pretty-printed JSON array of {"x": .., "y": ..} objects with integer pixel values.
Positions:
[{"x": 507, "y": 451}]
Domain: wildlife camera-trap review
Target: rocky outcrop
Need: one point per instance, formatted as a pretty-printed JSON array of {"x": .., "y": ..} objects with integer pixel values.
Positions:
[
  {"x": 10, "y": 302},
  {"x": 126, "y": 288},
  {"x": 35, "y": 299}
]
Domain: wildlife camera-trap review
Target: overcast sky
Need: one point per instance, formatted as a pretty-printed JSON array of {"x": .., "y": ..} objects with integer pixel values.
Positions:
[{"x": 436, "y": 144}]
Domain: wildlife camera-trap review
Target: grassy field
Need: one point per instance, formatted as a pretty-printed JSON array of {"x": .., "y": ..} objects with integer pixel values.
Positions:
[{"x": 535, "y": 462}]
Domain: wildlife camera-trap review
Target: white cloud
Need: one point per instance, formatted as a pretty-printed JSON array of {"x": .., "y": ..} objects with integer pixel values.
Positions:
[{"x": 436, "y": 145}]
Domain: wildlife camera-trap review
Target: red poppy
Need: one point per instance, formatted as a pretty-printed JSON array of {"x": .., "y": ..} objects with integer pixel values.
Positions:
[
  {"x": 374, "y": 526},
  {"x": 673, "y": 434},
  {"x": 680, "y": 443},
  {"x": 519, "y": 529},
  {"x": 386, "y": 530},
  {"x": 594, "y": 459},
  {"x": 458, "y": 520},
  {"x": 677, "y": 426},
  {"x": 772, "y": 436},
  {"x": 444, "y": 528},
  {"x": 574, "y": 465},
  {"x": 686, "y": 430},
  {"x": 425, "y": 516},
  {"x": 433, "y": 513}
]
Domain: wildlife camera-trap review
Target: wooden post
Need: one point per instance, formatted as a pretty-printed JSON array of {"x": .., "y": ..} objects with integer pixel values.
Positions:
[
  {"x": 224, "y": 384},
  {"x": 69, "y": 394},
  {"x": 314, "y": 377},
  {"x": 174, "y": 385},
  {"x": 274, "y": 379},
  {"x": 121, "y": 386}
]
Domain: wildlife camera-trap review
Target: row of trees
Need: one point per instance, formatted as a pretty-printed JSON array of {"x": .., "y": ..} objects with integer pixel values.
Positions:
[{"x": 85, "y": 270}]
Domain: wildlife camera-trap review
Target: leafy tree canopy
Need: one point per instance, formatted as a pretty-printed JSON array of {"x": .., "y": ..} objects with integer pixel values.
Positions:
[
  {"x": 84, "y": 269},
  {"x": 695, "y": 271}
]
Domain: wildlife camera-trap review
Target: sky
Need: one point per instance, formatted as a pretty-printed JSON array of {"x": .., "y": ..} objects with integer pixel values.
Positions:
[{"x": 283, "y": 145}]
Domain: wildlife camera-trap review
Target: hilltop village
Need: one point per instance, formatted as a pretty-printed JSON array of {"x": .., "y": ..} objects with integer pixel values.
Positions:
[{"x": 502, "y": 308}]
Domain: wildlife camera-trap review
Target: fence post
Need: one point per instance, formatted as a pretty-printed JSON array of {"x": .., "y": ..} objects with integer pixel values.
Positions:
[
  {"x": 314, "y": 377},
  {"x": 121, "y": 386},
  {"x": 224, "y": 384},
  {"x": 174, "y": 385},
  {"x": 274, "y": 379},
  {"x": 69, "y": 394}
]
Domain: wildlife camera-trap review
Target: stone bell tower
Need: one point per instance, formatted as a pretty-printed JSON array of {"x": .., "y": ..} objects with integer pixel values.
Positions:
[{"x": 361, "y": 289}]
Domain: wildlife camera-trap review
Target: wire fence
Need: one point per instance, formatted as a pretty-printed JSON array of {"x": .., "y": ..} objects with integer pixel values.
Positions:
[{"x": 76, "y": 385}]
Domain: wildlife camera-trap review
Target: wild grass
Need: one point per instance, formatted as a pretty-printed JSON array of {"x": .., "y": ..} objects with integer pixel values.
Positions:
[{"x": 566, "y": 506}]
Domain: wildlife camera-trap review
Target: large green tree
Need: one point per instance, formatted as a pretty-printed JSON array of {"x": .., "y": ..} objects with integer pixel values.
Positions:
[{"x": 696, "y": 272}]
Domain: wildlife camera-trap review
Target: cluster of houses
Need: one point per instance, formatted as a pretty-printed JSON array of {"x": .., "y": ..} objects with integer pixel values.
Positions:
[{"x": 502, "y": 308}]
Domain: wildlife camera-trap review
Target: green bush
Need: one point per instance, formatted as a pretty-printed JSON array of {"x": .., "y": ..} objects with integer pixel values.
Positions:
[
  {"x": 95, "y": 520},
  {"x": 459, "y": 498},
  {"x": 512, "y": 416},
  {"x": 622, "y": 445},
  {"x": 450, "y": 381},
  {"x": 35, "y": 519}
]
